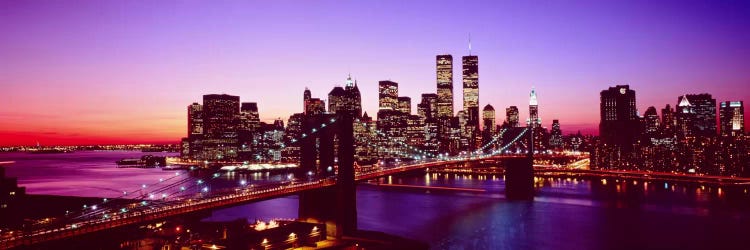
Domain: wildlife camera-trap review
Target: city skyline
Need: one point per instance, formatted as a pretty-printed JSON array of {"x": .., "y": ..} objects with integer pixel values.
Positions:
[{"x": 121, "y": 104}]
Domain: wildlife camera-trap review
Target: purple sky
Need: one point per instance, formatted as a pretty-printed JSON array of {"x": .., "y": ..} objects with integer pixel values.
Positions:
[{"x": 124, "y": 71}]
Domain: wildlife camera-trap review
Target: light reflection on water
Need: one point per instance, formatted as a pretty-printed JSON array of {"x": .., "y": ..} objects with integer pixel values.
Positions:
[{"x": 567, "y": 213}]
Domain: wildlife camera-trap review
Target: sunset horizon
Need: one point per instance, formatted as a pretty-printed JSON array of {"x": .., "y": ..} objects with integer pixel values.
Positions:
[{"x": 111, "y": 73}]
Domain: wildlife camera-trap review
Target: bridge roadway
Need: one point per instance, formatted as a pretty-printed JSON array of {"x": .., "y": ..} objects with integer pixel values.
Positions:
[{"x": 220, "y": 200}]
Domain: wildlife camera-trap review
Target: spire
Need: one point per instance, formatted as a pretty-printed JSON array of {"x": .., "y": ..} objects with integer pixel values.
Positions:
[
  {"x": 684, "y": 102},
  {"x": 532, "y": 97},
  {"x": 469, "y": 43},
  {"x": 349, "y": 80}
]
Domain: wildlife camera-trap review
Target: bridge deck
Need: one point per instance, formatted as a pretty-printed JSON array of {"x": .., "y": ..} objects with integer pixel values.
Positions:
[{"x": 218, "y": 201}]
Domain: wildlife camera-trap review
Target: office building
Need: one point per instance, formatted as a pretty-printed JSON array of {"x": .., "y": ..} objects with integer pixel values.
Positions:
[
  {"x": 651, "y": 121},
  {"x": 388, "y": 95},
  {"x": 555, "y": 137},
  {"x": 427, "y": 108},
  {"x": 619, "y": 121},
  {"x": 696, "y": 115},
  {"x": 444, "y": 67},
  {"x": 511, "y": 116},
  {"x": 404, "y": 105},
  {"x": 732, "y": 118}
]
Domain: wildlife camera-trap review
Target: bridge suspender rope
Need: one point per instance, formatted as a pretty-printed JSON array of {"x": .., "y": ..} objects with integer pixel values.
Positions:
[
  {"x": 101, "y": 210},
  {"x": 148, "y": 207}
]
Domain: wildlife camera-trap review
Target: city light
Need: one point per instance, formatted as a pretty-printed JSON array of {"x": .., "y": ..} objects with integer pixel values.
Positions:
[{"x": 695, "y": 143}]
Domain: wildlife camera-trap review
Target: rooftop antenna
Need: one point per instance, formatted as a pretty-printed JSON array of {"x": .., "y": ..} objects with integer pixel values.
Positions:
[{"x": 469, "y": 43}]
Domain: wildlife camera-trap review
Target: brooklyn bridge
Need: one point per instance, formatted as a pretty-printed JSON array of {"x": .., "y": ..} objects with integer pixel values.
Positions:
[{"x": 325, "y": 181}]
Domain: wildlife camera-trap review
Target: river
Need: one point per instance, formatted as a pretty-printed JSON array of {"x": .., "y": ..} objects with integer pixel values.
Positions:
[{"x": 566, "y": 213}]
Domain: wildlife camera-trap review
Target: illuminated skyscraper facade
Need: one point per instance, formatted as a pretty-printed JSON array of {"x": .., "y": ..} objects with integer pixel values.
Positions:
[
  {"x": 221, "y": 119},
  {"x": 534, "y": 121},
  {"x": 427, "y": 108},
  {"x": 195, "y": 120},
  {"x": 732, "y": 118},
  {"x": 555, "y": 136},
  {"x": 668, "y": 122},
  {"x": 696, "y": 115},
  {"x": 511, "y": 116},
  {"x": 336, "y": 100},
  {"x": 651, "y": 121},
  {"x": 471, "y": 89},
  {"x": 404, "y": 105},
  {"x": 249, "y": 116},
  {"x": 444, "y": 85},
  {"x": 306, "y": 96},
  {"x": 488, "y": 119},
  {"x": 315, "y": 106},
  {"x": 353, "y": 100},
  {"x": 345, "y": 99},
  {"x": 220, "y": 115},
  {"x": 471, "y": 101},
  {"x": 488, "y": 124},
  {"x": 387, "y": 95}
]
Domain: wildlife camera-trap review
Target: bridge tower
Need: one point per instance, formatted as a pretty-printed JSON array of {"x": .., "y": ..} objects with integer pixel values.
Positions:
[
  {"x": 519, "y": 173},
  {"x": 329, "y": 153}
]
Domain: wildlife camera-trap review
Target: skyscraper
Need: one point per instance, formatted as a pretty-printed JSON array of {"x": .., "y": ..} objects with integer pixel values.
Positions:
[
  {"x": 619, "y": 120},
  {"x": 471, "y": 89},
  {"x": 388, "y": 95},
  {"x": 221, "y": 119},
  {"x": 667, "y": 121},
  {"x": 444, "y": 85},
  {"x": 488, "y": 125},
  {"x": 315, "y": 106},
  {"x": 555, "y": 138},
  {"x": 305, "y": 99},
  {"x": 249, "y": 128},
  {"x": 651, "y": 121},
  {"x": 220, "y": 115},
  {"x": 415, "y": 131},
  {"x": 291, "y": 153},
  {"x": 534, "y": 120},
  {"x": 345, "y": 99},
  {"x": 732, "y": 118},
  {"x": 684, "y": 117},
  {"x": 404, "y": 105},
  {"x": 488, "y": 119},
  {"x": 195, "y": 120},
  {"x": 471, "y": 101},
  {"x": 696, "y": 114},
  {"x": 511, "y": 116},
  {"x": 250, "y": 117},
  {"x": 336, "y": 100},
  {"x": 353, "y": 101},
  {"x": 427, "y": 108}
]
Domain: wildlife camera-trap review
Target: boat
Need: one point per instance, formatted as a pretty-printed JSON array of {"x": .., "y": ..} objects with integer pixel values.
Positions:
[{"x": 146, "y": 161}]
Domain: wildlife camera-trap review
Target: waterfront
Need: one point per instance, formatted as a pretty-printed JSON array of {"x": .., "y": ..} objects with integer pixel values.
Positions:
[{"x": 567, "y": 213}]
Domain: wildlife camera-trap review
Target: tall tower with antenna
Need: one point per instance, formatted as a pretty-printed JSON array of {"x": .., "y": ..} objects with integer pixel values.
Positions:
[{"x": 471, "y": 97}]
